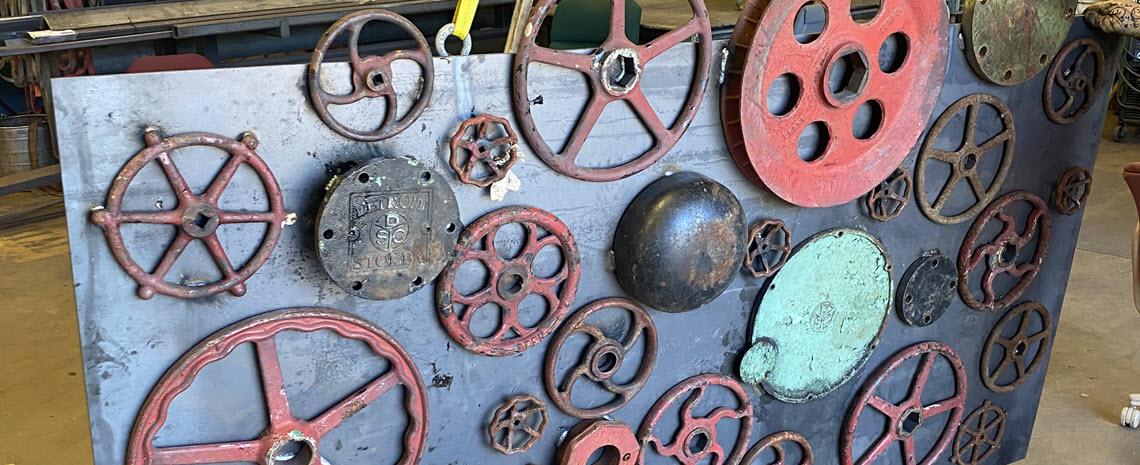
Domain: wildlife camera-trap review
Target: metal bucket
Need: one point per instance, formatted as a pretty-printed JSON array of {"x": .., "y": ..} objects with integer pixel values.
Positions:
[{"x": 16, "y": 154}]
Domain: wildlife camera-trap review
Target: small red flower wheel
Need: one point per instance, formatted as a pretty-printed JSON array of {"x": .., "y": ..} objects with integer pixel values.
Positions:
[
  {"x": 1074, "y": 81},
  {"x": 372, "y": 76},
  {"x": 604, "y": 357},
  {"x": 776, "y": 442},
  {"x": 1004, "y": 256},
  {"x": 1072, "y": 190},
  {"x": 509, "y": 282},
  {"x": 904, "y": 419},
  {"x": 517, "y": 425},
  {"x": 888, "y": 200},
  {"x": 1014, "y": 351},
  {"x": 196, "y": 217},
  {"x": 286, "y": 434},
  {"x": 769, "y": 246},
  {"x": 491, "y": 148},
  {"x": 979, "y": 435},
  {"x": 696, "y": 439}
]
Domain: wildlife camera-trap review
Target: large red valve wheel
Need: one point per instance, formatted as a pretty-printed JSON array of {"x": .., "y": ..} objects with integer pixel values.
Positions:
[
  {"x": 696, "y": 438},
  {"x": 197, "y": 216},
  {"x": 613, "y": 73},
  {"x": 285, "y": 430},
  {"x": 828, "y": 83}
]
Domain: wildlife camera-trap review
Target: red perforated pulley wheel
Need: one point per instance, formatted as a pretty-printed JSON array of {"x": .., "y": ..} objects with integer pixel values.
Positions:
[{"x": 780, "y": 84}]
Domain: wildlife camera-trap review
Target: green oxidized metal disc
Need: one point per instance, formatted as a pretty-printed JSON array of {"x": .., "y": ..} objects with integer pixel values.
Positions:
[
  {"x": 1010, "y": 41},
  {"x": 820, "y": 317}
]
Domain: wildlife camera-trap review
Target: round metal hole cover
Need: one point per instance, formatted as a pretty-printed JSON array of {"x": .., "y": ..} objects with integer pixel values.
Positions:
[
  {"x": 386, "y": 228},
  {"x": 820, "y": 317},
  {"x": 926, "y": 289},
  {"x": 1008, "y": 42}
]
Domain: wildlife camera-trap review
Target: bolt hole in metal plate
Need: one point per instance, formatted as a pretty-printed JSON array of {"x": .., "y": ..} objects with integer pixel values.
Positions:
[
  {"x": 1009, "y": 41},
  {"x": 820, "y": 317},
  {"x": 926, "y": 289},
  {"x": 386, "y": 228}
]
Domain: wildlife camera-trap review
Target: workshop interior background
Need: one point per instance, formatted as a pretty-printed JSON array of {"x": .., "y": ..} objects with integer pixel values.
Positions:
[{"x": 619, "y": 232}]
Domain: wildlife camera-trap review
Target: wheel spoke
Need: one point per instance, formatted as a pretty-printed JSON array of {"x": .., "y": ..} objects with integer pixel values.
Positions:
[
  {"x": 177, "y": 182},
  {"x": 231, "y": 217},
  {"x": 649, "y": 117},
  {"x": 669, "y": 40},
  {"x": 177, "y": 246},
  {"x": 586, "y": 122},
  {"x": 925, "y": 367},
  {"x": 880, "y": 404},
  {"x": 947, "y": 190},
  {"x": 214, "y": 246},
  {"x": 222, "y": 180},
  {"x": 909, "y": 451},
  {"x": 563, "y": 59},
  {"x": 617, "y": 19},
  {"x": 878, "y": 450},
  {"x": 272, "y": 382},
  {"x": 993, "y": 143},
  {"x": 162, "y": 217},
  {"x": 353, "y": 404},
  {"x": 244, "y": 451}
]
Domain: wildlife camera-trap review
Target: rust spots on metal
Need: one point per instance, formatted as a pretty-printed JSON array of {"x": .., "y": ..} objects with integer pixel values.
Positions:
[
  {"x": 905, "y": 418},
  {"x": 1078, "y": 73},
  {"x": 613, "y": 73},
  {"x": 1072, "y": 190},
  {"x": 510, "y": 281},
  {"x": 615, "y": 439},
  {"x": 696, "y": 438},
  {"x": 372, "y": 75},
  {"x": 769, "y": 246},
  {"x": 486, "y": 141},
  {"x": 1001, "y": 256},
  {"x": 284, "y": 427},
  {"x": 197, "y": 216},
  {"x": 979, "y": 435},
  {"x": 1010, "y": 42},
  {"x": 517, "y": 425},
  {"x": 888, "y": 200},
  {"x": 776, "y": 442},
  {"x": 1021, "y": 354},
  {"x": 603, "y": 358}
]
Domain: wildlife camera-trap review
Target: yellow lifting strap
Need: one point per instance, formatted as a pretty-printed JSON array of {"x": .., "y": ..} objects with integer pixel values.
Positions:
[{"x": 464, "y": 16}]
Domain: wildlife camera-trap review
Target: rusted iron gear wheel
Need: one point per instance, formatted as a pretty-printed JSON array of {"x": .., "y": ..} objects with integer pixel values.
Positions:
[
  {"x": 1074, "y": 81},
  {"x": 763, "y": 140},
  {"x": 497, "y": 153},
  {"x": 905, "y": 418},
  {"x": 1000, "y": 256},
  {"x": 509, "y": 281},
  {"x": 603, "y": 358},
  {"x": 979, "y": 435},
  {"x": 693, "y": 430},
  {"x": 514, "y": 417},
  {"x": 285, "y": 429},
  {"x": 777, "y": 442},
  {"x": 372, "y": 76},
  {"x": 769, "y": 246},
  {"x": 1072, "y": 190},
  {"x": 591, "y": 436},
  {"x": 197, "y": 216},
  {"x": 607, "y": 70},
  {"x": 888, "y": 200},
  {"x": 965, "y": 161},
  {"x": 1015, "y": 349}
]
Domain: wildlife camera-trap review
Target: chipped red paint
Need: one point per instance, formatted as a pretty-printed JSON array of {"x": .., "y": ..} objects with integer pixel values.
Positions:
[
  {"x": 996, "y": 255},
  {"x": 283, "y": 426},
  {"x": 521, "y": 268},
  {"x": 197, "y": 216},
  {"x": 888, "y": 200},
  {"x": 497, "y": 153},
  {"x": 1072, "y": 77},
  {"x": 769, "y": 246},
  {"x": 693, "y": 430},
  {"x": 524, "y": 414},
  {"x": 777, "y": 442},
  {"x": 592, "y": 436},
  {"x": 1014, "y": 350},
  {"x": 372, "y": 76}
]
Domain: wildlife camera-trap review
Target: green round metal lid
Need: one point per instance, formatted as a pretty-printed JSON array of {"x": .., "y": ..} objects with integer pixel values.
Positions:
[
  {"x": 1009, "y": 41},
  {"x": 820, "y": 317}
]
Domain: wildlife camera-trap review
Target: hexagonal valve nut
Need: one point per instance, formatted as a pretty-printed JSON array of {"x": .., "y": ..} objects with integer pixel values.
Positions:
[{"x": 614, "y": 438}]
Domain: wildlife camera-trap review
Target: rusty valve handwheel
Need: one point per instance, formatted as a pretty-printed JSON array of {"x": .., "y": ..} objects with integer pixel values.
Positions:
[
  {"x": 520, "y": 416},
  {"x": 285, "y": 431},
  {"x": 769, "y": 246},
  {"x": 603, "y": 358},
  {"x": 888, "y": 200},
  {"x": 696, "y": 438},
  {"x": 1001, "y": 255},
  {"x": 904, "y": 419},
  {"x": 777, "y": 442},
  {"x": 372, "y": 76},
  {"x": 979, "y": 435},
  {"x": 492, "y": 144},
  {"x": 1017, "y": 348},
  {"x": 1072, "y": 190},
  {"x": 197, "y": 216},
  {"x": 1078, "y": 80},
  {"x": 509, "y": 282},
  {"x": 613, "y": 73}
]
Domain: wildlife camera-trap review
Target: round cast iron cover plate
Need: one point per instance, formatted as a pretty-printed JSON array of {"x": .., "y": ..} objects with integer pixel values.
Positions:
[
  {"x": 926, "y": 289},
  {"x": 1009, "y": 41},
  {"x": 820, "y": 317},
  {"x": 387, "y": 228}
]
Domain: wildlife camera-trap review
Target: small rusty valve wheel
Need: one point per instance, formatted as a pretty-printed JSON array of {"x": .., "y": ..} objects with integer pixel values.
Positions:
[
  {"x": 613, "y": 73},
  {"x": 769, "y": 246},
  {"x": 604, "y": 357},
  {"x": 517, "y": 425},
  {"x": 197, "y": 216},
  {"x": 1001, "y": 256},
  {"x": 491, "y": 147},
  {"x": 616, "y": 441},
  {"x": 1072, "y": 190},
  {"x": 1074, "y": 81},
  {"x": 1021, "y": 353},
  {"x": 906, "y": 418},
  {"x": 372, "y": 76},
  {"x": 888, "y": 200},
  {"x": 286, "y": 433},
  {"x": 695, "y": 440},
  {"x": 510, "y": 281},
  {"x": 776, "y": 442},
  {"x": 979, "y": 435}
]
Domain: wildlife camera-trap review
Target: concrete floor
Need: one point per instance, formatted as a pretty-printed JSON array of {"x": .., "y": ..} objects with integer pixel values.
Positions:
[{"x": 1096, "y": 361}]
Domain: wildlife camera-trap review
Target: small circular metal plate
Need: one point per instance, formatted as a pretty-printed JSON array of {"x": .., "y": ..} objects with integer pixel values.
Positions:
[
  {"x": 1009, "y": 41},
  {"x": 926, "y": 289},
  {"x": 820, "y": 317},
  {"x": 386, "y": 228}
]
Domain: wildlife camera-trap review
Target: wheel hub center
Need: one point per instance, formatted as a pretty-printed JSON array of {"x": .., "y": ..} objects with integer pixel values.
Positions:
[
  {"x": 605, "y": 360},
  {"x": 910, "y": 421},
  {"x": 296, "y": 449},
  {"x": 620, "y": 71},
  {"x": 200, "y": 220},
  {"x": 512, "y": 281}
]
